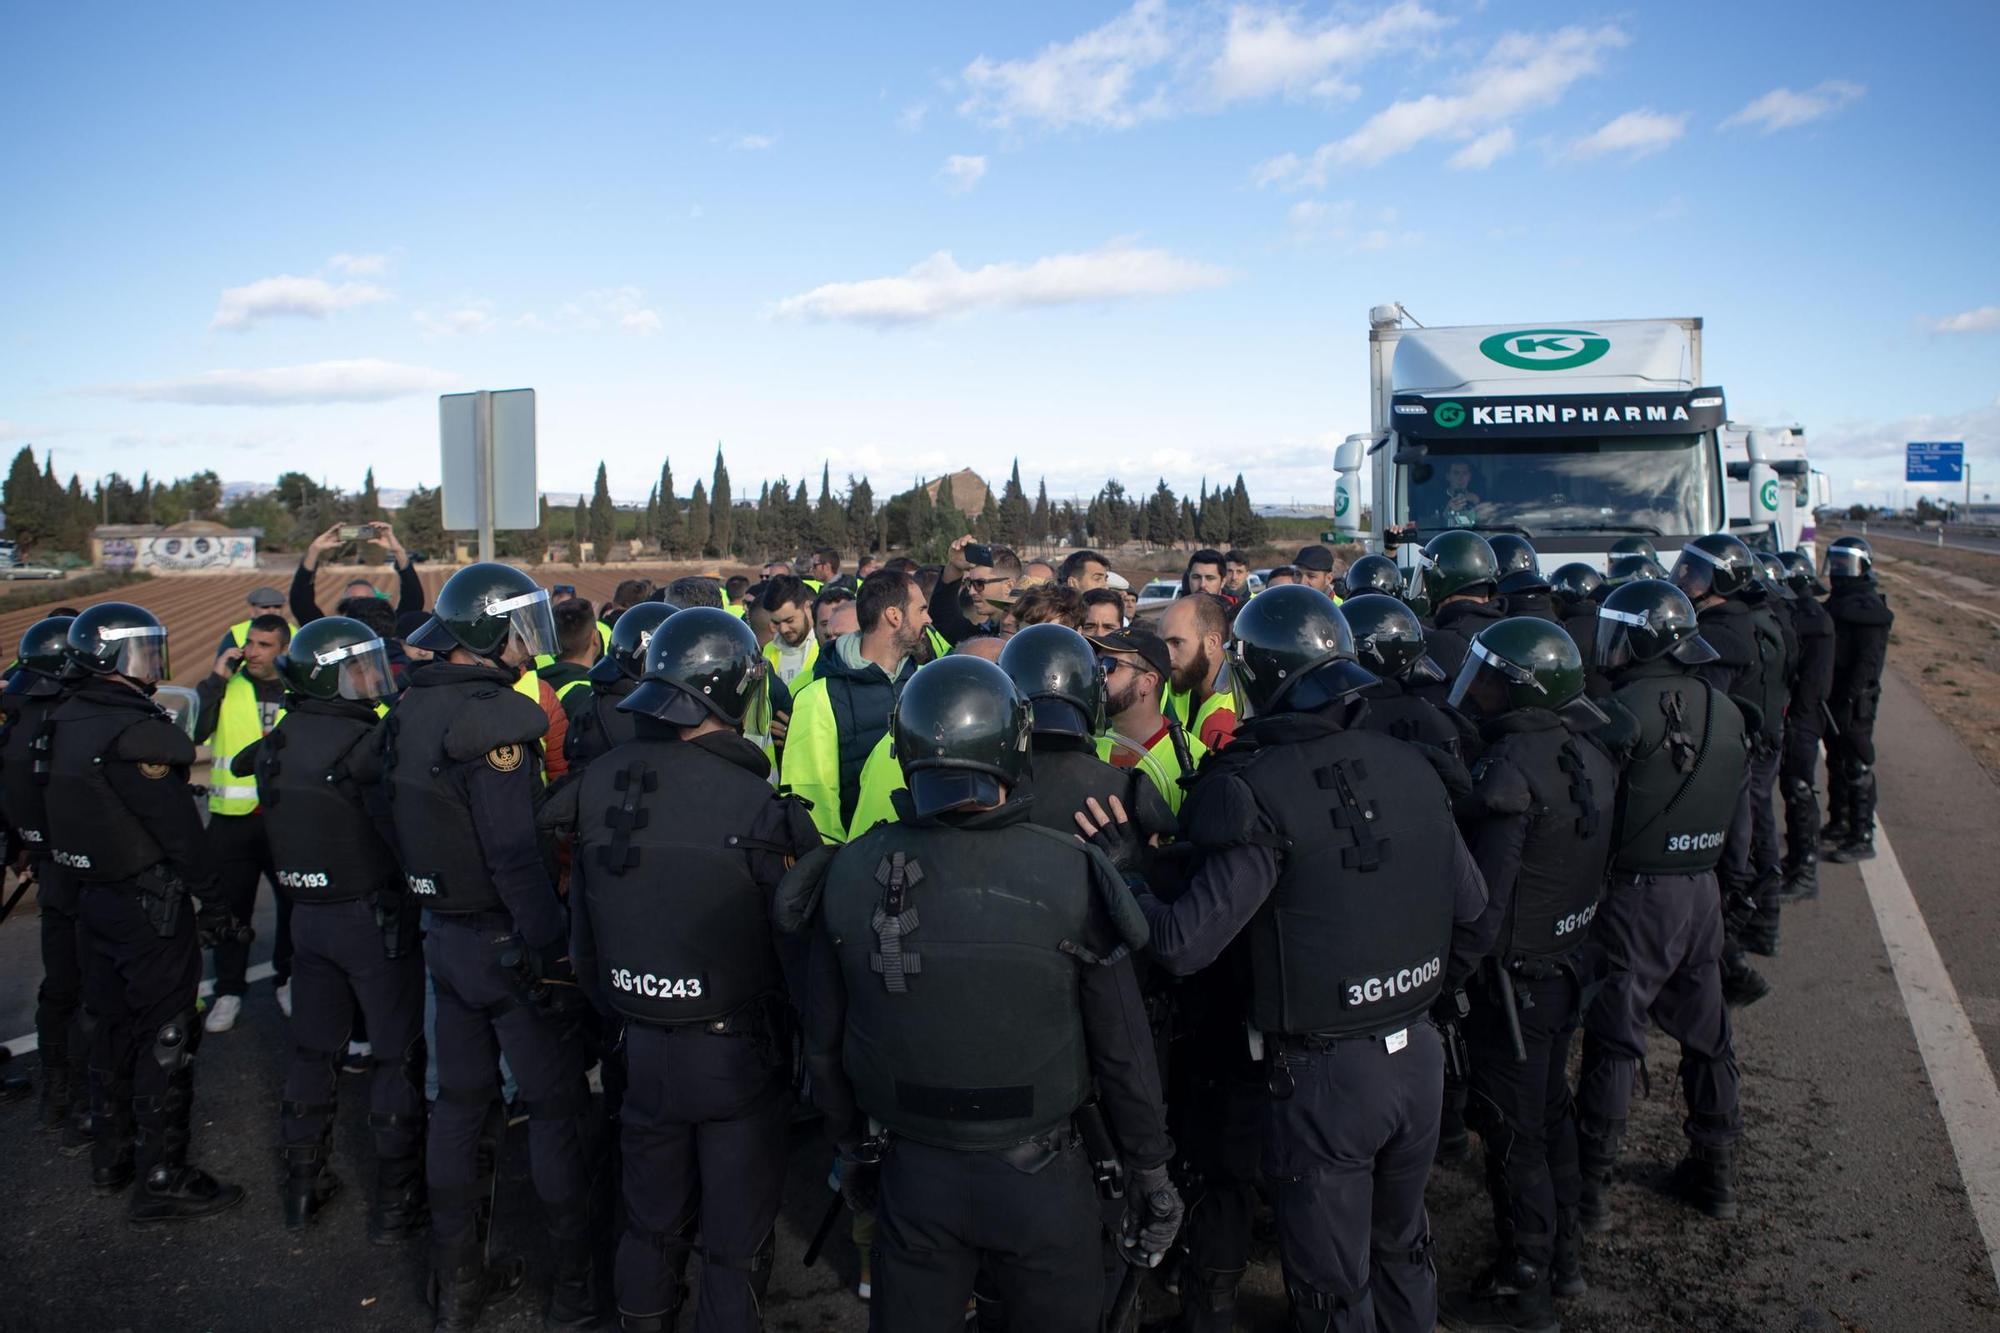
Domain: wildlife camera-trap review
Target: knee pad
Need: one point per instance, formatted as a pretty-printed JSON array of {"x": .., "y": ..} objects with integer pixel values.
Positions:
[
  {"x": 1317, "y": 1309},
  {"x": 174, "y": 1044},
  {"x": 755, "y": 1267}
]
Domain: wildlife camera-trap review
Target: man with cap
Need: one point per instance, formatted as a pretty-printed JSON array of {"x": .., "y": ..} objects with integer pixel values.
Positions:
[
  {"x": 409, "y": 588},
  {"x": 1332, "y": 854},
  {"x": 968, "y": 981},
  {"x": 1315, "y": 566},
  {"x": 264, "y": 601},
  {"x": 1140, "y": 732},
  {"x": 679, "y": 844}
]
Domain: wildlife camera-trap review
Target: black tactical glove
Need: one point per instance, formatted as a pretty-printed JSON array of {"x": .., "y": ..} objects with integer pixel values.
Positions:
[
  {"x": 216, "y": 924},
  {"x": 1113, "y": 833},
  {"x": 860, "y": 1182},
  {"x": 1153, "y": 1213}
]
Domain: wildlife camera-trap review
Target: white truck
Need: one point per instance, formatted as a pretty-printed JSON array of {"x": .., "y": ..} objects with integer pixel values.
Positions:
[
  {"x": 1572, "y": 435},
  {"x": 1771, "y": 490}
]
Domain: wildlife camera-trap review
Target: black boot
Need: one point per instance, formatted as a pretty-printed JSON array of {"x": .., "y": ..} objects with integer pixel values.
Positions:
[
  {"x": 309, "y": 1184},
  {"x": 1801, "y": 882},
  {"x": 572, "y": 1296},
  {"x": 399, "y": 1209},
  {"x": 1706, "y": 1179},
  {"x": 1566, "y": 1271},
  {"x": 112, "y": 1162},
  {"x": 661, "y": 1322},
  {"x": 79, "y": 1132},
  {"x": 1597, "y": 1149},
  {"x": 460, "y": 1295},
  {"x": 169, "y": 1189},
  {"x": 1742, "y": 984},
  {"x": 1759, "y": 931},
  {"x": 1515, "y": 1299},
  {"x": 1208, "y": 1300},
  {"x": 55, "y": 1093}
]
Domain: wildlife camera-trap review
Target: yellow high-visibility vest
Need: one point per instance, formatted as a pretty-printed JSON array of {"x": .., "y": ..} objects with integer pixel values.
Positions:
[{"x": 238, "y": 724}]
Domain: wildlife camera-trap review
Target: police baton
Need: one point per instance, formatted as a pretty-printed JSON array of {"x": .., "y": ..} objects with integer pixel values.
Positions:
[
  {"x": 834, "y": 1208},
  {"x": 1509, "y": 1010},
  {"x": 14, "y": 899},
  {"x": 1126, "y": 1301}
]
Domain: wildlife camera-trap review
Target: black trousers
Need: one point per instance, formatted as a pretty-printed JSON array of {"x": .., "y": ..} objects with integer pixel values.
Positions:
[
  {"x": 1218, "y": 1107},
  {"x": 1750, "y": 853},
  {"x": 242, "y": 856},
  {"x": 1348, "y": 1154},
  {"x": 59, "y": 1033},
  {"x": 479, "y": 1019},
  {"x": 338, "y": 964},
  {"x": 1798, "y": 779},
  {"x": 1663, "y": 935},
  {"x": 702, "y": 1137},
  {"x": 138, "y": 985},
  {"x": 1524, "y": 1113},
  {"x": 945, "y": 1216}
]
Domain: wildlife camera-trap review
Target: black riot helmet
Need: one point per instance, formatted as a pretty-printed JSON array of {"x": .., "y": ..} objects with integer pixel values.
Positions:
[
  {"x": 336, "y": 657},
  {"x": 1636, "y": 546},
  {"x": 1522, "y": 662},
  {"x": 118, "y": 638},
  {"x": 1631, "y": 567},
  {"x": 1645, "y": 621},
  {"x": 1458, "y": 562},
  {"x": 961, "y": 732},
  {"x": 1799, "y": 575},
  {"x": 1388, "y": 638},
  {"x": 702, "y": 662},
  {"x": 1717, "y": 564},
  {"x": 1771, "y": 573},
  {"x": 1372, "y": 573},
  {"x": 1520, "y": 567},
  {"x": 1850, "y": 558},
  {"x": 45, "y": 645},
  {"x": 1294, "y": 652},
  {"x": 484, "y": 605},
  {"x": 1056, "y": 671},
  {"x": 1575, "y": 582},
  {"x": 625, "y": 656}
]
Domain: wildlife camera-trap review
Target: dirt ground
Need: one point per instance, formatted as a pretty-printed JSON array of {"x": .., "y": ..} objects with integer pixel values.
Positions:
[{"x": 1946, "y": 640}]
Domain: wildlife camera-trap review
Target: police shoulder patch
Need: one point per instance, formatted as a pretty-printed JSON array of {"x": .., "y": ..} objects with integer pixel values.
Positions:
[
  {"x": 154, "y": 771},
  {"x": 505, "y": 758}
]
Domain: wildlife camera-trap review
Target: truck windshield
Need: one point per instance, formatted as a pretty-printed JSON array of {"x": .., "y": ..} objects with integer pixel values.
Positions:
[{"x": 1654, "y": 483}]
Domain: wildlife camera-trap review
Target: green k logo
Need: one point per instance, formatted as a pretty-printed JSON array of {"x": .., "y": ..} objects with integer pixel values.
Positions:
[
  {"x": 1449, "y": 415},
  {"x": 1768, "y": 493},
  {"x": 1545, "y": 349},
  {"x": 1340, "y": 503}
]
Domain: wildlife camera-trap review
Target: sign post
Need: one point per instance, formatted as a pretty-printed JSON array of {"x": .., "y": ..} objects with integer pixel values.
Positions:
[{"x": 486, "y": 444}]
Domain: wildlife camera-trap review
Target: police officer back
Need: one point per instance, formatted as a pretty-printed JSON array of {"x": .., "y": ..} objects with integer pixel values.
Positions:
[
  {"x": 1332, "y": 853},
  {"x": 1861, "y": 623},
  {"x": 1389, "y": 642},
  {"x": 1805, "y": 726},
  {"x": 1685, "y": 747},
  {"x": 969, "y": 980},
  {"x": 122, "y": 823},
  {"x": 597, "y": 721},
  {"x": 1540, "y": 826},
  {"x": 461, "y": 768},
  {"x": 680, "y": 843},
  {"x": 354, "y": 937}
]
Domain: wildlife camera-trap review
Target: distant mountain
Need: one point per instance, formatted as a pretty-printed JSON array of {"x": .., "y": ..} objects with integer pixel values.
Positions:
[{"x": 243, "y": 490}]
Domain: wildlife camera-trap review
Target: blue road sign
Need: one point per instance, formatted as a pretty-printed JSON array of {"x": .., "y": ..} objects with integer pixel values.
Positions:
[{"x": 1935, "y": 460}]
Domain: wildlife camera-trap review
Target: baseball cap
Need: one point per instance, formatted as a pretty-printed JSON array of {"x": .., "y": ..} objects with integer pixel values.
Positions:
[
  {"x": 266, "y": 596},
  {"x": 1113, "y": 579},
  {"x": 1150, "y": 647},
  {"x": 1316, "y": 558}
]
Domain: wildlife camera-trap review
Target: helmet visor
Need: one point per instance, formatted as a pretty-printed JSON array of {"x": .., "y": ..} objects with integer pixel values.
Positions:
[
  {"x": 364, "y": 673},
  {"x": 1694, "y": 573},
  {"x": 1846, "y": 562},
  {"x": 1486, "y": 683},
  {"x": 530, "y": 620},
  {"x": 1425, "y": 670},
  {"x": 142, "y": 652},
  {"x": 1614, "y": 637}
]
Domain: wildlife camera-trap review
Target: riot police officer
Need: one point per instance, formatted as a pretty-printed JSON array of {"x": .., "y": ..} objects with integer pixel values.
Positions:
[
  {"x": 1389, "y": 642},
  {"x": 1372, "y": 573},
  {"x": 122, "y": 823},
  {"x": 462, "y": 769},
  {"x": 1331, "y": 854},
  {"x": 354, "y": 933},
  {"x": 1461, "y": 578},
  {"x": 1522, "y": 586},
  {"x": 1572, "y": 585},
  {"x": 1720, "y": 576},
  {"x": 1805, "y": 726},
  {"x": 33, "y": 692},
  {"x": 1685, "y": 748},
  {"x": 1544, "y": 793},
  {"x": 600, "y": 722},
  {"x": 680, "y": 843},
  {"x": 969, "y": 980},
  {"x": 1861, "y": 622}
]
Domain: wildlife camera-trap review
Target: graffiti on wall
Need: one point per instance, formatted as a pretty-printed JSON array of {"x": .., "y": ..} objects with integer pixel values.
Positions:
[{"x": 181, "y": 555}]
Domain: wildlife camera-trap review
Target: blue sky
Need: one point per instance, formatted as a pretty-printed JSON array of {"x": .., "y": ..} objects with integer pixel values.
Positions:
[{"x": 1110, "y": 239}]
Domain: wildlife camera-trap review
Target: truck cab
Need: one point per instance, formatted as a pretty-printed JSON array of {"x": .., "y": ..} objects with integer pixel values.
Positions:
[
  {"x": 1771, "y": 490},
  {"x": 1572, "y": 435}
]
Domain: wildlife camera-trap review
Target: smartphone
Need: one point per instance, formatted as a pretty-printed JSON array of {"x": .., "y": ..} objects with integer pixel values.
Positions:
[
  {"x": 354, "y": 532},
  {"x": 978, "y": 553}
]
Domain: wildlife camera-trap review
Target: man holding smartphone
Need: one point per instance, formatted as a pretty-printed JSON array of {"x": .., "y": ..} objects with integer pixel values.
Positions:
[
  {"x": 409, "y": 589},
  {"x": 983, "y": 573}
]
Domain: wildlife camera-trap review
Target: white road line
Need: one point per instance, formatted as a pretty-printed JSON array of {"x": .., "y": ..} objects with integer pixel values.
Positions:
[
  {"x": 22, "y": 1045},
  {"x": 1959, "y": 1073}
]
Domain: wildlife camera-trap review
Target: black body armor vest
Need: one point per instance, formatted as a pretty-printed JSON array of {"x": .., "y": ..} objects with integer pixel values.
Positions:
[
  {"x": 444, "y": 866},
  {"x": 325, "y": 846},
  {"x": 1681, "y": 784},
  {"x": 1573, "y": 787},
  {"x": 93, "y": 836}
]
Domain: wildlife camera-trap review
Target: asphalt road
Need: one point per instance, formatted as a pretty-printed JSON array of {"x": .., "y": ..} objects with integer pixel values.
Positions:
[
  {"x": 1856, "y": 1216},
  {"x": 1957, "y": 537}
]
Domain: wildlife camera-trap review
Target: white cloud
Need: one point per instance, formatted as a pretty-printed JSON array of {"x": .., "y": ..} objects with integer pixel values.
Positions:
[
  {"x": 285, "y": 296},
  {"x": 623, "y": 309},
  {"x": 963, "y": 172},
  {"x": 1323, "y": 221},
  {"x": 466, "y": 318},
  {"x": 359, "y": 266},
  {"x": 1783, "y": 109},
  {"x": 1522, "y": 73},
  {"x": 1633, "y": 135},
  {"x": 1095, "y": 79},
  {"x": 938, "y": 286},
  {"x": 911, "y": 118},
  {"x": 640, "y": 323},
  {"x": 1269, "y": 50},
  {"x": 1484, "y": 151},
  {"x": 1983, "y": 320},
  {"x": 745, "y": 143},
  {"x": 362, "y": 381}
]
